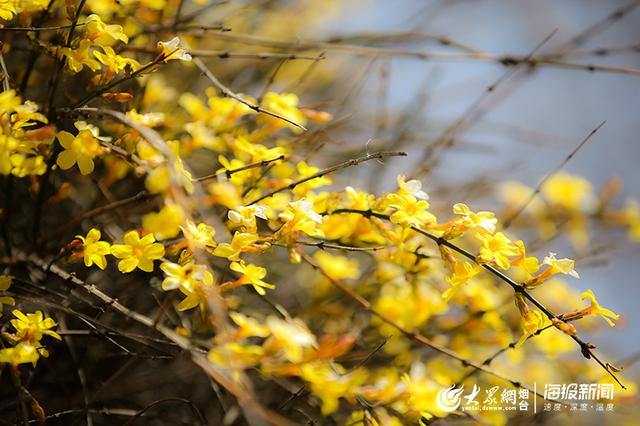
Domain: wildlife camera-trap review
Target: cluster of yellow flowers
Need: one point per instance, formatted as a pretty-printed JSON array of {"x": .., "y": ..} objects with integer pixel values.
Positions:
[
  {"x": 25, "y": 344},
  {"x": 407, "y": 272}
]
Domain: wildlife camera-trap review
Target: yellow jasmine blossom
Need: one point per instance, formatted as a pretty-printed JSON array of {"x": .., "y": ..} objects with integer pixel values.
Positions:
[
  {"x": 331, "y": 382},
  {"x": 338, "y": 267},
  {"x": 291, "y": 336},
  {"x": 528, "y": 264},
  {"x": 564, "y": 266},
  {"x": 248, "y": 326},
  {"x": 5, "y": 283},
  {"x": 484, "y": 220},
  {"x": 184, "y": 275},
  {"x": 462, "y": 272},
  {"x": 101, "y": 34},
  {"x": 595, "y": 309},
  {"x": 137, "y": 252},
  {"x": 569, "y": 191},
  {"x": 412, "y": 187},
  {"x": 172, "y": 49},
  {"x": 532, "y": 321},
  {"x": 304, "y": 171},
  {"x": 252, "y": 274},
  {"x": 496, "y": 248},
  {"x": 7, "y": 10},
  {"x": 165, "y": 223},
  {"x": 300, "y": 216},
  {"x": 199, "y": 236},
  {"x": 632, "y": 216},
  {"x": 31, "y": 328},
  {"x": 239, "y": 243},
  {"x": 22, "y": 353},
  {"x": 284, "y": 104},
  {"x": 80, "y": 149},
  {"x": 80, "y": 57},
  {"x": 246, "y": 216},
  {"x": 190, "y": 279},
  {"x": 115, "y": 63},
  {"x": 94, "y": 250},
  {"x": 22, "y": 165},
  {"x": 409, "y": 211}
]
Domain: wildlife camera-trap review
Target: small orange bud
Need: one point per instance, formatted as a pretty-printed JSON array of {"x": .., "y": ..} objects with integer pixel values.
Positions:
[{"x": 120, "y": 97}]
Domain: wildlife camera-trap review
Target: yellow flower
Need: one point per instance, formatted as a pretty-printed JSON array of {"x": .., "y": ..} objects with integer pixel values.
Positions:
[
  {"x": 564, "y": 266},
  {"x": 101, "y": 34},
  {"x": 165, "y": 223},
  {"x": 246, "y": 216},
  {"x": 199, "y": 236},
  {"x": 595, "y": 309},
  {"x": 94, "y": 249},
  {"x": 305, "y": 170},
  {"x": 528, "y": 264},
  {"x": 291, "y": 336},
  {"x": 330, "y": 383},
  {"x": 483, "y": 220},
  {"x": 569, "y": 191},
  {"x": 252, "y": 274},
  {"x": 5, "y": 283},
  {"x": 22, "y": 353},
  {"x": 284, "y": 104},
  {"x": 338, "y": 267},
  {"x": 409, "y": 211},
  {"x": 173, "y": 50},
  {"x": 413, "y": 187},
  {"x": 80, "y": 149},
  {"x": 7, "y": 10},
  {"x": 300, "y": 216},
  {"x": 22, "y": 165},
  {"x": 532, "y": 321},
  {"x": 115, "y": 63},
  {"x": 30, "y": 329},
  {"x": 632, "y": 218},
  {"x": 461, "y": 273},
  {"x": 248, "y": 326},
  {"x": 239, "y": 243},
  {"x": 190, "y": 279},
  {"x": 137, "y": 252},
  {"x": 78, "y": 58},
  {"x": 496, "y": 248}
]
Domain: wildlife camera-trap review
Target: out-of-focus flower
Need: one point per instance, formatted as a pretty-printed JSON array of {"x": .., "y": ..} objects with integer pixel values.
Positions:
[
  {"x": 173, "y": 49},
  {"x": 253, "y": 275},
  {"x": 165, "y": 223}
]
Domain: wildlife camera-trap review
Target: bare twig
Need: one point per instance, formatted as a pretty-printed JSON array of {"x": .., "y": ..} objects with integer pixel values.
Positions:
[
  {"x": 509, "y": 221},
  {"x": 228, "y": 93},
  {"x": 586, "y": 348},
  {"x": 323, "y": 172}
]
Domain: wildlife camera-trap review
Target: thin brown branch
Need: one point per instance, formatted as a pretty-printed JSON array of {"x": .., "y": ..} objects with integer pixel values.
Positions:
[
  {"x": 246, "y": 399},
  {"x": 509, "y": 221},
  {"x": 230, "y": 94},
  {"x": 230, "y": 172},
  {"x": 585, "y": 347},
  {"x": 413, "y": 335},
  {"x": 328, "y": 170}
]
